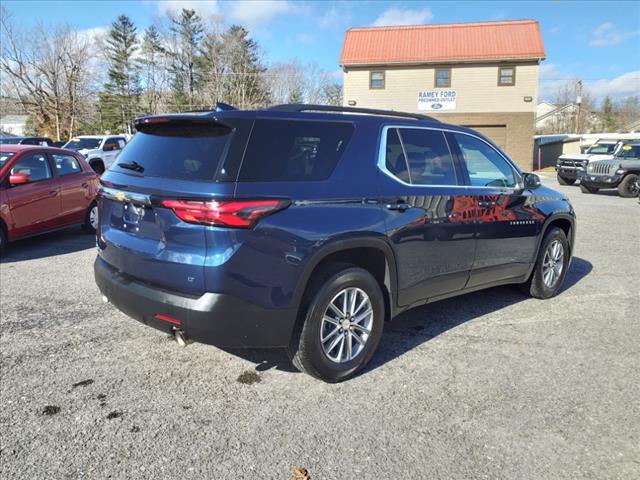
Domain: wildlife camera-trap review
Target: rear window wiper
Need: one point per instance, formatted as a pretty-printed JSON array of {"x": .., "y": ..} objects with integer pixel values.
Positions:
[{"x": 132, "y": 166}]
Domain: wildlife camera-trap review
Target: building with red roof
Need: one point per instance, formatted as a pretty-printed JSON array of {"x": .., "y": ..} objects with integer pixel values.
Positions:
[{"x": 483, "y": 75}]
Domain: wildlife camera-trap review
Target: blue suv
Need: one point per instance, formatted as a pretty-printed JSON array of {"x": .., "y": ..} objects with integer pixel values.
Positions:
[{"x": 307, "y": 227}]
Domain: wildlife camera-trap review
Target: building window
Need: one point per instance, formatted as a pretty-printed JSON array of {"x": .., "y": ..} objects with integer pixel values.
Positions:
[
  {"x": 443, "y": 77},
  {"x": 506, "y": 76},
  {"x": 376, "y": 80}
]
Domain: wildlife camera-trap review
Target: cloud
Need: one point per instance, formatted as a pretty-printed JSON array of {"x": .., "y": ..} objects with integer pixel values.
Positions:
[
  {"x": 202, "y": 7},
  {"x": 625, "y": 85},
  {"x": 404, "y": 16},
  {"x": 252, "y": 13},
  {"x": 553, "y": 78},
  {"x": 93, "y": 34},
  {"x": 335, "y": 17},
  {"x": 607, "y": 34}
]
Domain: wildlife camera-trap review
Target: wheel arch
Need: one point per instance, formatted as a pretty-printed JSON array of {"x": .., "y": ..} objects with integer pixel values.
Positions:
[
  {"x": 371, "y": 253},
  {"x": 565, "y": 222}
]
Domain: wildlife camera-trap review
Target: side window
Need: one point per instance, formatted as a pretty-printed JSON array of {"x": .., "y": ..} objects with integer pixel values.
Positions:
[
  {"x": 428, "y": 157},
  {"x": 294, "y": 151},
  {"x": 486, "y": 167},
  {"x": 110, "y": 144},
  {"x": 36, "y": 166},
  {"x": 66, "y": 164},
  {"x": 396, "y": 162}
]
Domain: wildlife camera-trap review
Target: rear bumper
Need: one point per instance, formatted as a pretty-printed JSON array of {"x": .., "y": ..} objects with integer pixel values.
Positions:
[{"x": 216, "y": 319}]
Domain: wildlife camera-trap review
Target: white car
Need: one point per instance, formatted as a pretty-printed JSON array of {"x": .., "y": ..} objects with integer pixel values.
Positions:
[{"x": 100, "y": 151}]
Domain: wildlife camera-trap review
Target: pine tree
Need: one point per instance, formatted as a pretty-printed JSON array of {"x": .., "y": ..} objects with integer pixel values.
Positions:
[
  {"x": 151, "y": 59},
  {"x": 187, "y": 30},
  {"x": 609, "y": 117},
  {"x": 244, "y": 85},
  {"x": 119, "y": 101}
]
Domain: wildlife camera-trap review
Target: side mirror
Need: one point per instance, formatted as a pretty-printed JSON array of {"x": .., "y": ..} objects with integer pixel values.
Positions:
[
  {"x": 19, "y": 178},
  {"x": 531, "y": 180}
]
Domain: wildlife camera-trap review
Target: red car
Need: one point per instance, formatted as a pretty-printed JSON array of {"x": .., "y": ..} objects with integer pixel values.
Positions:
[{"x": 44, "y": 189}]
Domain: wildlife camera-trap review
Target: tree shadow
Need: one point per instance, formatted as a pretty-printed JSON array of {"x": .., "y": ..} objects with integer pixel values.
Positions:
[
  {"x": 60, "y": 242},
  {"x": 416, "y": 326}
]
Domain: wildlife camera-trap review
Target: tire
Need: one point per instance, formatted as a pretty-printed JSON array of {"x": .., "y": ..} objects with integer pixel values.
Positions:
[
  {"x": 628, "y": 187},
  {"x": 565, "y": 180},
  {"x": 98, "y": 166},
  {"x": 537, "y": 286},
  {"x": 331, "y": 285},
  {"x": 586, "y": 189},
  {"x": 90, "y": 222}
]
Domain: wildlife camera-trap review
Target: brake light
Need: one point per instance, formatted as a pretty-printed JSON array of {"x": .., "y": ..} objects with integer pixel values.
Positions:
[{"x": 226, "y": 213}]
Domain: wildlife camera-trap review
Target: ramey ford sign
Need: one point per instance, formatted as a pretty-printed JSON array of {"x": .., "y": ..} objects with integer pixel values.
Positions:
[{"x": 437, "y": 100}]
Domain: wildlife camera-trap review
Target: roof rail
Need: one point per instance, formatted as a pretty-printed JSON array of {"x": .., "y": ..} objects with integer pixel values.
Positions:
[{"x": 301, "y": 107}]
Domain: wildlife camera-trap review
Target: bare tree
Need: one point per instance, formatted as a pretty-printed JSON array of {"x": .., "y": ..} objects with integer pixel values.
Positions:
[{"x": 46, "y": 72}]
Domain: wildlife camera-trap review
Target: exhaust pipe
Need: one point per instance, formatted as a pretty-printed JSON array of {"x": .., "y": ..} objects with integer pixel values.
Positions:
[{"x": 180, "y": 337}]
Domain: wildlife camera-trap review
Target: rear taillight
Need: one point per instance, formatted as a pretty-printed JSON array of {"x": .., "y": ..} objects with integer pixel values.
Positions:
[{"x": 225, "y": 213}]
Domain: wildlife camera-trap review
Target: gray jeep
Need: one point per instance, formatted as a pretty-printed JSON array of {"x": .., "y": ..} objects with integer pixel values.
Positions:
[{"x": 621, "y": 172}]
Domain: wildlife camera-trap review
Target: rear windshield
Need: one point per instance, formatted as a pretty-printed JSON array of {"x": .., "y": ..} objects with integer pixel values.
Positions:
[
  {"x": 294, "y": 151},
  {"x": 184, "y": 151}
]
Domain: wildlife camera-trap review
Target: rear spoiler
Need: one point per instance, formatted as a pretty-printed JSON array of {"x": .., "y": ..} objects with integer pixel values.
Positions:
[{"x": 149, "y": 122}]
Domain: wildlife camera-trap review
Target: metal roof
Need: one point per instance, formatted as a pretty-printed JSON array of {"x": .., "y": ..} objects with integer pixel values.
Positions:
[{"x": 483, "y": 41}]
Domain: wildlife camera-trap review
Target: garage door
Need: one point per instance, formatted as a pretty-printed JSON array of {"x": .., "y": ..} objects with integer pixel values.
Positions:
[{"x": 497, "y": 133}]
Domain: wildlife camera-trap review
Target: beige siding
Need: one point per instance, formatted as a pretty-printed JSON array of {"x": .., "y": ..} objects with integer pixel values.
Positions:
[{"x": 476, "y": 86}]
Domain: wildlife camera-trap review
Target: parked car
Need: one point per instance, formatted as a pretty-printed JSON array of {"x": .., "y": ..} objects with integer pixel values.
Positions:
[
  {"x": 570, "y": 165},
  {"x": 307, "y": 227},
  {"x": 43, "y": 141},
  {"x": 621, "y": 171},
  {"x": 100, "y": 151},
  {"x": 44, "y": 189}
]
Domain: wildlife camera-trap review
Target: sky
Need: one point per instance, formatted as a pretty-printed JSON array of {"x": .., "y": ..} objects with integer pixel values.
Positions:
[{"x": 597, "y": 41}]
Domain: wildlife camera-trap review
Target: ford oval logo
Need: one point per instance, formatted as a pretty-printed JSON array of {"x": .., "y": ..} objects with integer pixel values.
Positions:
[{"x": 436, "y": 106}]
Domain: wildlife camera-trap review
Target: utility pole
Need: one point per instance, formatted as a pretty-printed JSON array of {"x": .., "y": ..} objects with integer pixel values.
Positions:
[{"x": 579, "y": 103}]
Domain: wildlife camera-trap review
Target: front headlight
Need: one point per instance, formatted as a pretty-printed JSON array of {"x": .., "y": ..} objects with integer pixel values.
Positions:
[{"x": 620, "y": 171}]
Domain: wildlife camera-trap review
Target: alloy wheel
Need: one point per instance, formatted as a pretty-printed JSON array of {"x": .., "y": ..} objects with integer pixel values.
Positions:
[
  {"x": 553, "y": 263},
  {"x": 93, "y": 217},
  {"x": 346, "y": 325}
]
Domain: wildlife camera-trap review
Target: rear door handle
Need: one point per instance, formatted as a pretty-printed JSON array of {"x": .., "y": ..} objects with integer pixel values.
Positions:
[
  {"x": 398, "y": 206},
  {"x": 483, "y": 203}
]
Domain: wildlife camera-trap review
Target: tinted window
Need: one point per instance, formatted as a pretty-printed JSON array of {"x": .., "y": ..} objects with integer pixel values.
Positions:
[
  {"x": 183, "y": 150},
  {"x": 36, "y": 166},
  {"x": 486, "y": 167},
  {"x": 395, "y": 159},
  {"x": 66, "y": 164},
  {"x": 294, "y": 151},
  {"x": 11, "y": 141},
  {"x": 428, "y": 156}
]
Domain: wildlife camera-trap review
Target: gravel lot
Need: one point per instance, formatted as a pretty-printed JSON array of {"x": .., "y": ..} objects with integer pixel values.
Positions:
[{"x": 490, "y": 385}]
